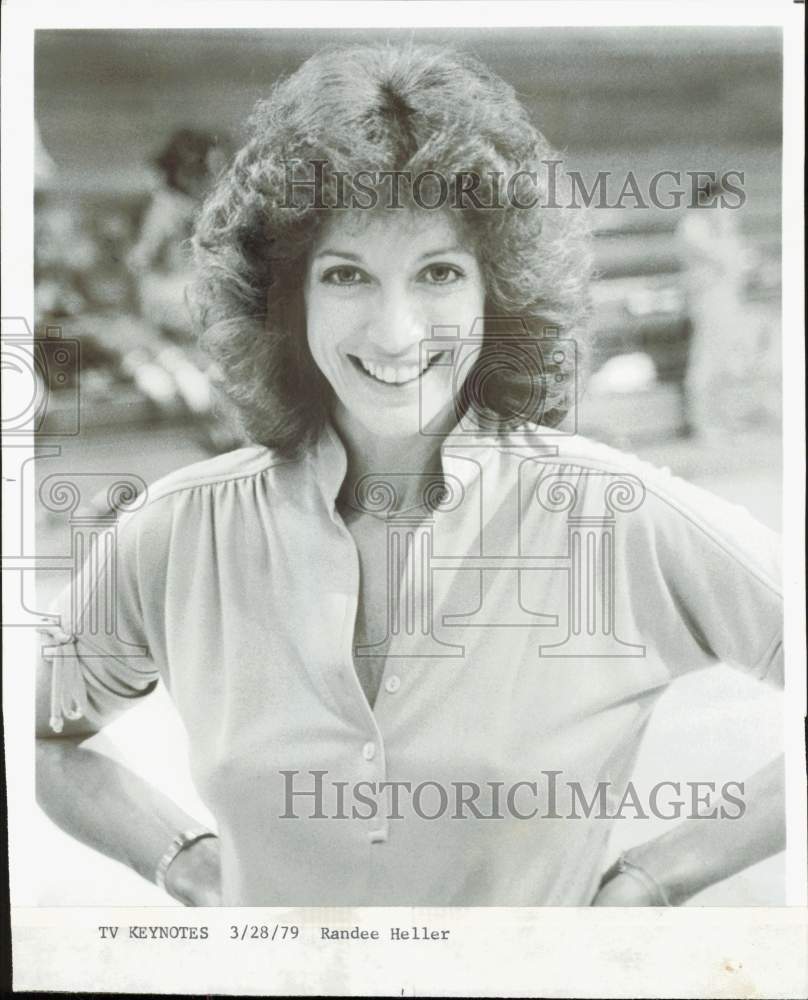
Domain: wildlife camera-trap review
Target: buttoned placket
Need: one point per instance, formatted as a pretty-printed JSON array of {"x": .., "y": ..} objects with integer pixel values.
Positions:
[
  {"x": 372, "y": 764},
  {"x": 330, "y": 466}
]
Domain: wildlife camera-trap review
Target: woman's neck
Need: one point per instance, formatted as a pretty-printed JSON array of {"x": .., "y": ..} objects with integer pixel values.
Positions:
[{"x": 406, "y": 460}]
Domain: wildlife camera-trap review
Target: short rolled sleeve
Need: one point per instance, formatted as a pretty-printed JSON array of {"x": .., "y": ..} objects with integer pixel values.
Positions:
[
  {"x": 99, "y": 652},
  {"x": 717, "y": 576}
]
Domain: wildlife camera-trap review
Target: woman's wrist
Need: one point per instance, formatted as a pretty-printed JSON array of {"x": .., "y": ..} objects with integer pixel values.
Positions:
[
  {"x": 188, "y": 872},
  {"x": 703, "y": 850},
  {"x": 637, "y": 881},
  {"x": 676, "y": 872}
]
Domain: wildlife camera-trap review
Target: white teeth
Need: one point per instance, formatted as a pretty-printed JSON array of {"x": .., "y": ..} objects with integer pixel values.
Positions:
[{"x": 391, "y": 375}]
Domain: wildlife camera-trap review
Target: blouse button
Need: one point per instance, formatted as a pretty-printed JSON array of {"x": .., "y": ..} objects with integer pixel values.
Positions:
[
  {"x": 369, "y": 751},
  {"x": 392, "y": 684}
]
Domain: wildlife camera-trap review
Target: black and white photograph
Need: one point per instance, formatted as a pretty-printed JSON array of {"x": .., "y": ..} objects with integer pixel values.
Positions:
[{"x": 404, "y": 494}]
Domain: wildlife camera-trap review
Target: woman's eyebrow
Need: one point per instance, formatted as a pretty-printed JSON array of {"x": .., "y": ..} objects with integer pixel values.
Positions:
[
  {"x": 335, "y": 252},
  {"x": 328, "y": 252},
  {"x": 452, "y": 249}
]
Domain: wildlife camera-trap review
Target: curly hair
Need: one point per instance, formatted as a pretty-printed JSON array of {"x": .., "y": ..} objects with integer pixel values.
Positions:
[{"x": 370, "y": 109}]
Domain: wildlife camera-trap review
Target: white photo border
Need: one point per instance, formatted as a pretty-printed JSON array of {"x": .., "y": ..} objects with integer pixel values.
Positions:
[{"x": 686, "y": 952}]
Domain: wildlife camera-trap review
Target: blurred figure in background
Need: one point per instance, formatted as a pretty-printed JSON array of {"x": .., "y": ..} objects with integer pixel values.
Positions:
[
  {"x": 713, "y": 256},
  {"x": 187, "y": 165}
]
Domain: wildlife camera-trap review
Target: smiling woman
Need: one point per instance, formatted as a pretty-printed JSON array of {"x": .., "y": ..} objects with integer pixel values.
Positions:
[{"x": 414, "y": 576}]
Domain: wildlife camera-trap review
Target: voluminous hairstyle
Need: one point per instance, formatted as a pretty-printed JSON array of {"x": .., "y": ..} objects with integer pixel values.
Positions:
[{"x": 374, "y": 109}]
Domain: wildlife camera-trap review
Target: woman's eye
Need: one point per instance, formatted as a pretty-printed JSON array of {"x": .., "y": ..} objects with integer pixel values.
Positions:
[
  {"x": 441, "y": 274},
  {"x": 343, "y": 275}
]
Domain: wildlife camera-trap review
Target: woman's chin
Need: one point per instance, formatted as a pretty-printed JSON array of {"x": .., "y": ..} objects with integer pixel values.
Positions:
[
  {"x": 396, "y": 423},
  {"x": 391, "y": 427}
]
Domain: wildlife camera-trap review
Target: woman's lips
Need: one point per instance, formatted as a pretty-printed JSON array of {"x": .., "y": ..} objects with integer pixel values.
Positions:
[{"x": 392, "y": 375}]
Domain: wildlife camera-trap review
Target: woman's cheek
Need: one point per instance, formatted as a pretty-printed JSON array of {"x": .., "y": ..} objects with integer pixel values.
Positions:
[
  {"x": 463, "y": 308},
  {"x": 343, "y": 316}
]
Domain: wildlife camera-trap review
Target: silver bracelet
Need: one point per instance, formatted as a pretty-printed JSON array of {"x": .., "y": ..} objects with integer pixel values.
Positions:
[
  {"x": 625, "y": 866},
  {"x": 179, "y": 843}
]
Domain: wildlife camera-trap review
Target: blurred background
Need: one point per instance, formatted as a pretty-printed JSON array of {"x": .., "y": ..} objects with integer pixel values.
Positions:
[{"x": 685, "y": 362}]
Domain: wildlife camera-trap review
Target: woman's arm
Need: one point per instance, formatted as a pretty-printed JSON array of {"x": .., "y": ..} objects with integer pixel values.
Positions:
[
  {"x": 706, "y": 589},
  {"x": 109, "y": 808},
  {"x": 697, "y": 853}
]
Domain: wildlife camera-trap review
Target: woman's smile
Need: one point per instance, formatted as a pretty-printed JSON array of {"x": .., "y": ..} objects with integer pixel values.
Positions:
[{"x": 395, "y": 374}]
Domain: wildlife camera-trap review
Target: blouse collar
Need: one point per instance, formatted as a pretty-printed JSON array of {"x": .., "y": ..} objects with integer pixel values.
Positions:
[{"x": 464, "y": 451}]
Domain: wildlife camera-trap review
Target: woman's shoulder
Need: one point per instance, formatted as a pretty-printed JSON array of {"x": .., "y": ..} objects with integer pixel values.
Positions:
[
  {"x": 220, "y": 495},
  {"x": 574, "y": 471},
  {"x": 685, "y": 516},
  {"x": 575, "y": 454},
  {"x": 187, "y": 496},
  {"x": 244, "y": 463}
]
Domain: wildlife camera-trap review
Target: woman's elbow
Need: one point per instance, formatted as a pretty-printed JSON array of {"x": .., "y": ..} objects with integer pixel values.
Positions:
[{"x": 55, "y": 756}]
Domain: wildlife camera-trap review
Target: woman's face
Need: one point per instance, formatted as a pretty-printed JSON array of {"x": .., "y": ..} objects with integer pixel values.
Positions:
[{"x": 377, "y": 285}]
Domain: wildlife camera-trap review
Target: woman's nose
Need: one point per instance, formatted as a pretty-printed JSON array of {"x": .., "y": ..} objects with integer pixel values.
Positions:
[{"x": 398, "y": 327}]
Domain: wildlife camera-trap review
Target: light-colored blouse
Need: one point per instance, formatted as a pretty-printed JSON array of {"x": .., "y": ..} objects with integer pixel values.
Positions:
[{"x": 537, "y": 612}]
